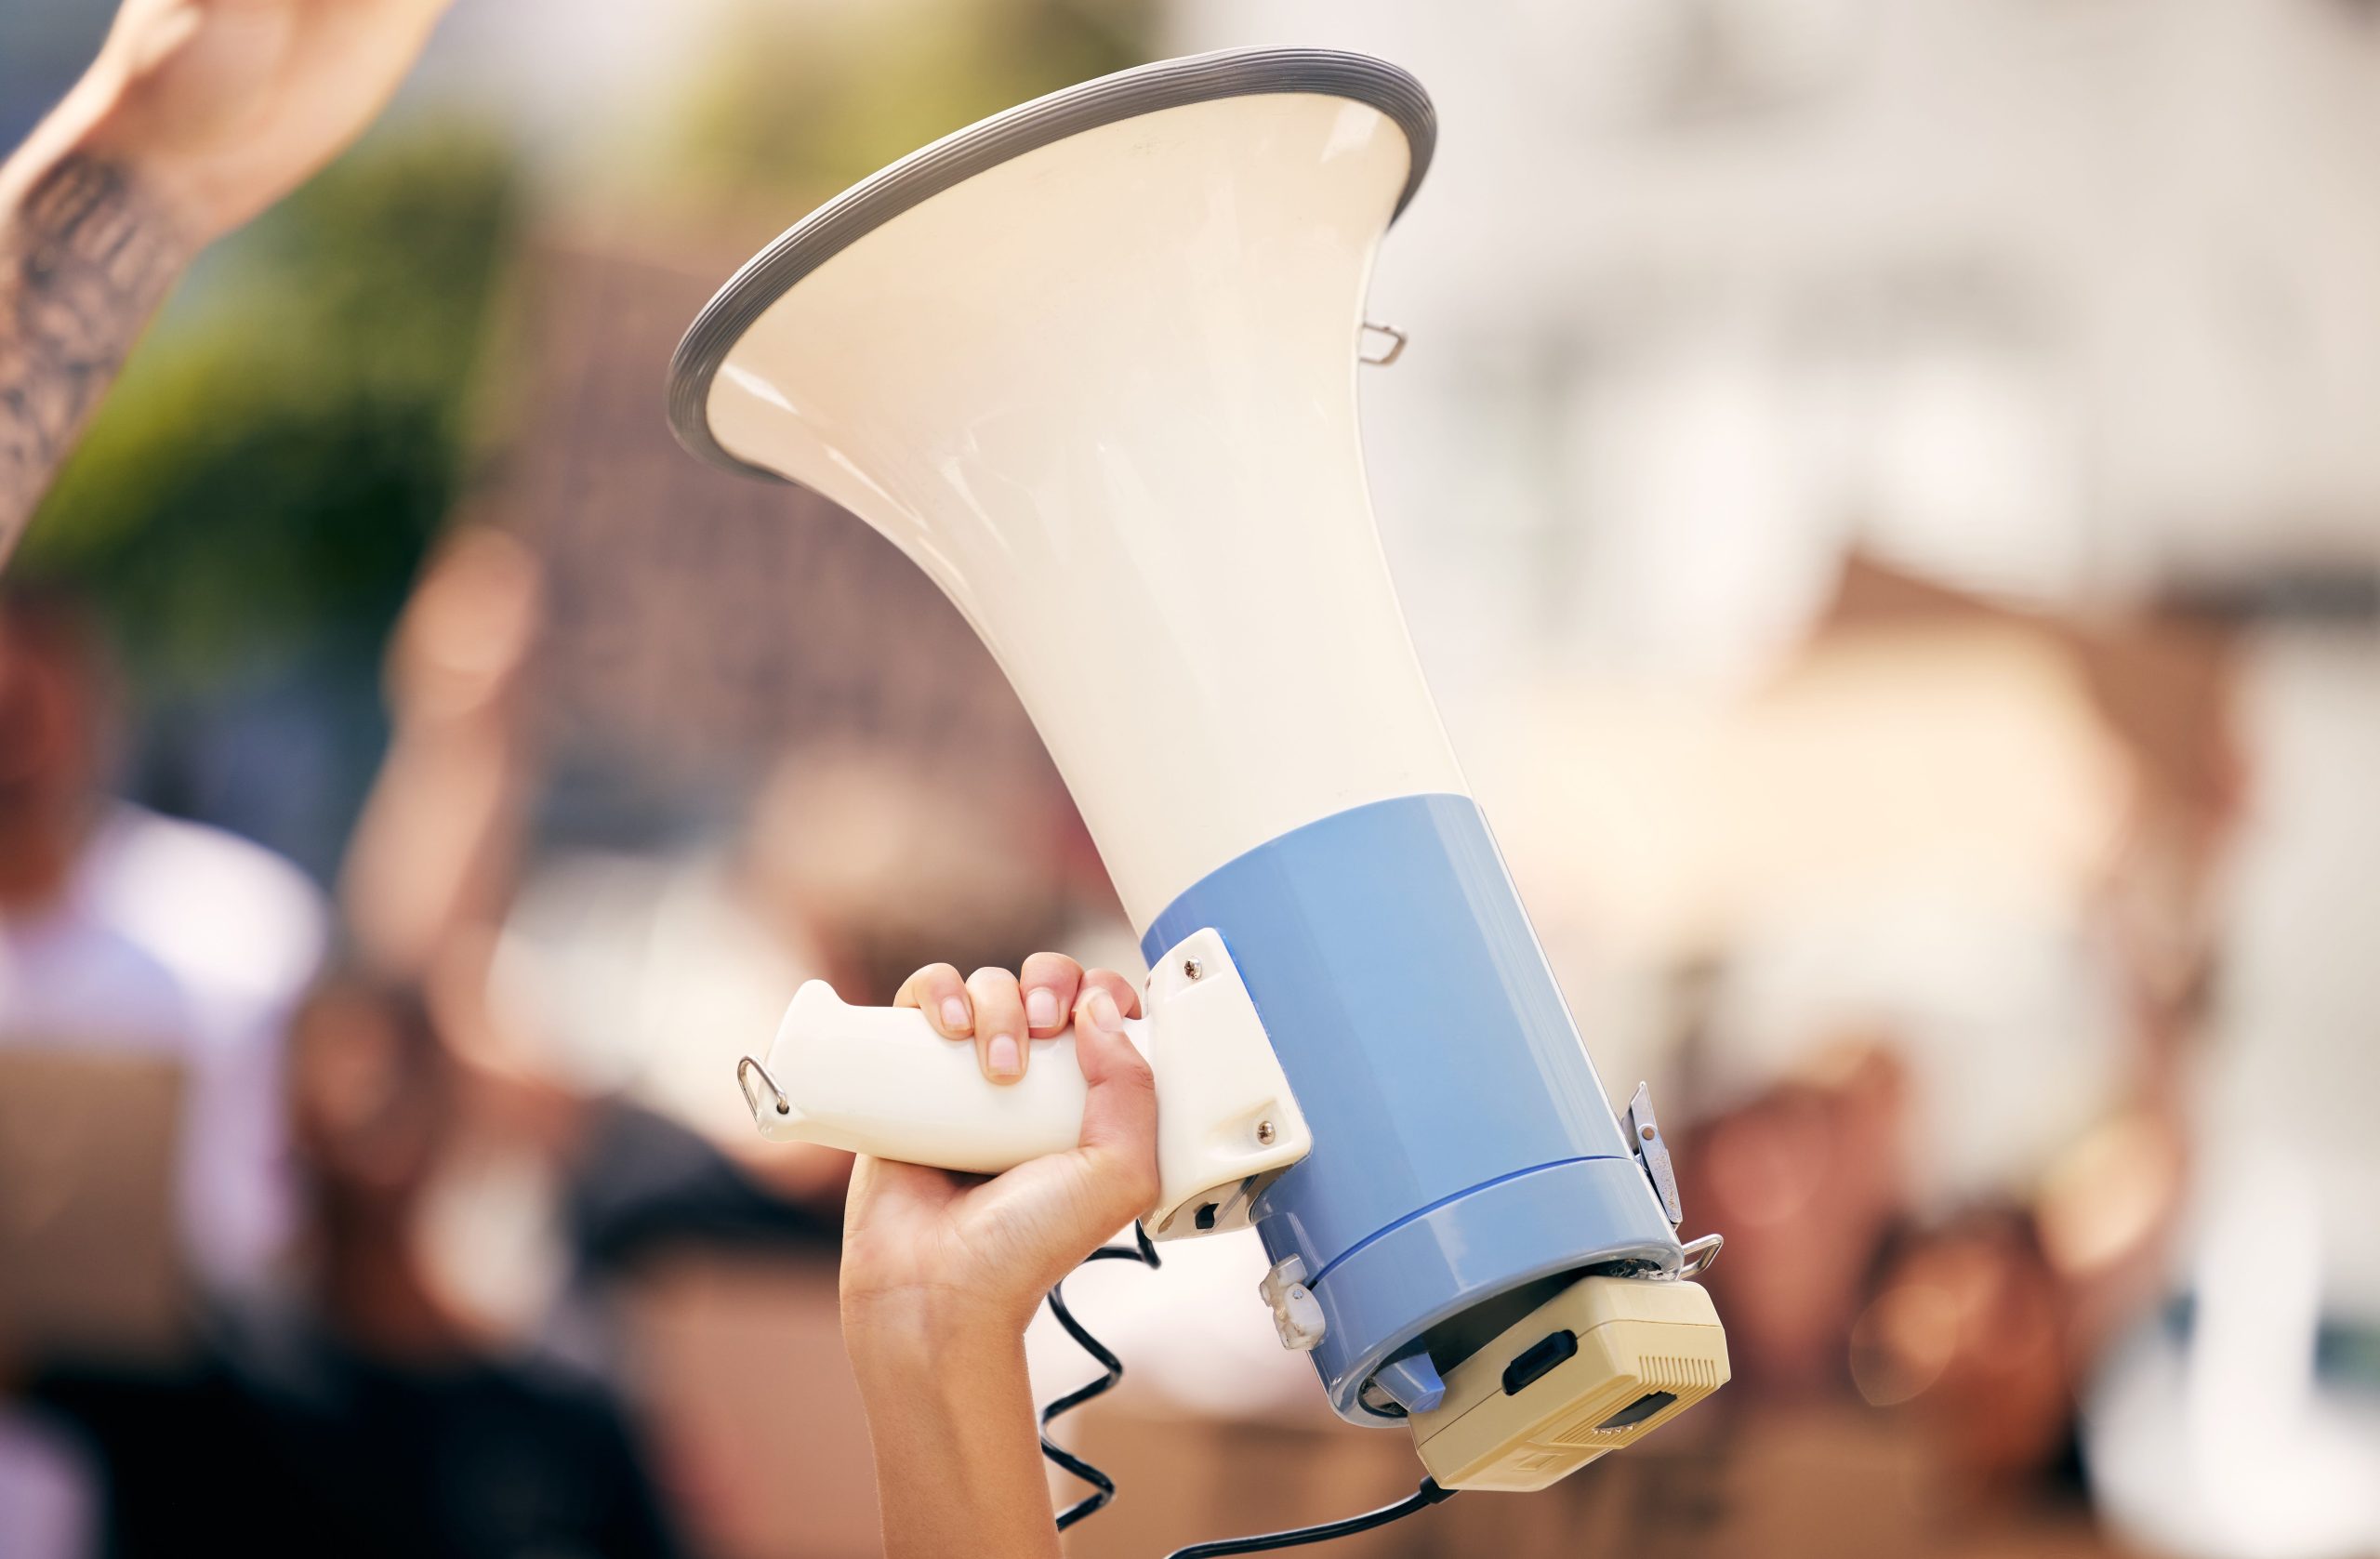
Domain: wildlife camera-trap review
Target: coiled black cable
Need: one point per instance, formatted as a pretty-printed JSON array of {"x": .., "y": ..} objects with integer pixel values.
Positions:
[{"x": 1104, "y": 1488}]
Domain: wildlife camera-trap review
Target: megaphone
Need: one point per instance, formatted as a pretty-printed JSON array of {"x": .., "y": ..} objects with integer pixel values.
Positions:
[{"x": 1092, "y": 364}]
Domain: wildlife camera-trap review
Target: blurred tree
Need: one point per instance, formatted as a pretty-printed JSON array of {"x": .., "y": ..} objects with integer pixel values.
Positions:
[
  {"x": 261, "y": 485},
  {"x": 804, "y": 100}
]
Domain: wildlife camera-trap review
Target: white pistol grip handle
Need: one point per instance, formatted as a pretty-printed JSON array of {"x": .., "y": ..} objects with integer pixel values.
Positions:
[{"x": 880, "y": 1080}]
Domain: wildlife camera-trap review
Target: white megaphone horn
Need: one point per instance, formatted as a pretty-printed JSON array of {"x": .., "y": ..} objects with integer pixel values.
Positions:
[{"x": 1091, "y": 364}]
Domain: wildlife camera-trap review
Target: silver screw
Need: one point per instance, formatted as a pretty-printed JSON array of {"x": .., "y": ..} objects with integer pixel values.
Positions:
[
  {"x": 1264, "y": 1133},
  {"x": 1192, "y": 968}
]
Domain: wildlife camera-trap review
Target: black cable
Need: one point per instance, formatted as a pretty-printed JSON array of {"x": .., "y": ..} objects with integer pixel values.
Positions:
[
  {"x": 1104, "y": 1488},
  {"x": 1419, "y": 1500}
]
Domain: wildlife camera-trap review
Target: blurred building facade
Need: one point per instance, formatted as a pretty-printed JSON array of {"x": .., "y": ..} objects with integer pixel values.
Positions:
[{"x": 2069, "y": 302}]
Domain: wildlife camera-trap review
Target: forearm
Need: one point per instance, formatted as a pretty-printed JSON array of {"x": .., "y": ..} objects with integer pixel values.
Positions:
[
  {"x": 958, "y": 1463},
  {"x": 87, "y": 251},
  {"x": 435, "y": 852}
]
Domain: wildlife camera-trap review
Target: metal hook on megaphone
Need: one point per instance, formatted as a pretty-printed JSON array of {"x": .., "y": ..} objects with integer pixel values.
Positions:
[
  {"x": 1699, "y": 1254},
  {"x": 1396, "y": 341},
  {"x": 748, "y": 1068}
]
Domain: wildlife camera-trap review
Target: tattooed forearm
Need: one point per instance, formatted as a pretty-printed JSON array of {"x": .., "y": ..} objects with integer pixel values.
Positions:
[{"x": 86, "y": 256}]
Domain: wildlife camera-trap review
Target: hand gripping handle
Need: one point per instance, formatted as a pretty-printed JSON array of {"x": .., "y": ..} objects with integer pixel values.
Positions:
[{"x": 880, "y": 1080}]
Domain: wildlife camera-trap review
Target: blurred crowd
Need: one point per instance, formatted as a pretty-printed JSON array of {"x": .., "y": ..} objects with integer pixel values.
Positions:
[
  {"x": 419, "y": 784},
  {"x": 424, "y": 1217},
  {"x": 366, "y": 1203}
]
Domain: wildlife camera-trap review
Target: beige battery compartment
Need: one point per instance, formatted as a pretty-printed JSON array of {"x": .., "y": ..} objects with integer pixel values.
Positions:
[{"x": 1599, "y": 1365}]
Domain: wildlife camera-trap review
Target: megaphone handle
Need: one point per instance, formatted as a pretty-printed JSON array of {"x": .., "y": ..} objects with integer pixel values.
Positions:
[{"x": 880, "y": 1080}]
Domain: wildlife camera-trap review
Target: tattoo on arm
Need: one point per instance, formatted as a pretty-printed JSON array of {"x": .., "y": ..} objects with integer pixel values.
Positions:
[{"x": 84, "y": 260}]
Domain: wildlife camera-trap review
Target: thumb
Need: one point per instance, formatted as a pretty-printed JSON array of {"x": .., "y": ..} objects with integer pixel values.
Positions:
[{"x": 1119, "y": 1114}]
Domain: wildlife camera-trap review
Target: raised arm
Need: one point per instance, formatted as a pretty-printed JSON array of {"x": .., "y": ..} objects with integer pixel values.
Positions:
[
  {"x": 942, "y": 1272},
  {"x": 196, "y": 116}
]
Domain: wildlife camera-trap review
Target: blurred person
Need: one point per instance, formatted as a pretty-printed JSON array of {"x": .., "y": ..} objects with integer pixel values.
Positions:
[
  {"x": 619, "y": 990},
  {"x": 1956, "y": 1295},
  {"x": 1968, "y": 1330},
  {"x": 601, "y": 997},
  {"x": 649, "y": 973},
  {"x": 125, "y": 933},
  {"x": 127, "y": 939},
  {"x": 430, "y": 864},
  {"x": 1809, "y": 1180},
  {"x": 2241, "y": 1414},
  {"x": 196, "y": 116},
  {"x": 823, "y": 881},
  {"x": 1974, "y": 1320},
  {"x": 646, "y": 974},
  {"x": 371, "y": 1412},
  {"x": 611, "y": 992}
]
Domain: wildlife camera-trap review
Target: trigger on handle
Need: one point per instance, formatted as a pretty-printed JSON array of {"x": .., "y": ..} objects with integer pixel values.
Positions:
[{"x": 746, "y": 1070}]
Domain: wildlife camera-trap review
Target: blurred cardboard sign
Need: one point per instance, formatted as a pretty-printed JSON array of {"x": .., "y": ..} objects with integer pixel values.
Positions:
[
  {"x": 1804, "y": 1481},
  {"x": 90, "y": 1262},
  {"x": 749, "y": 1406},
  {"x": 1185, "y": 1477},
  {"x": 1182, "y": 1478},
  {"x": 2001, "y": 758}
]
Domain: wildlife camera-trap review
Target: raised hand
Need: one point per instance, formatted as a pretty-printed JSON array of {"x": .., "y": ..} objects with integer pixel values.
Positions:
[
  {"x": 196, "y": 116},
  {"x": 942, "y": 1271}
]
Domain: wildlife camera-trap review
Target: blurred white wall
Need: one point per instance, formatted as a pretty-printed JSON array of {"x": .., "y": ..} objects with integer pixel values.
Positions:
[
  {"x": 2245, "y": 1434},
  {"x": 2059, "y": 300},
  {"x": 2299, "y": 1080}
]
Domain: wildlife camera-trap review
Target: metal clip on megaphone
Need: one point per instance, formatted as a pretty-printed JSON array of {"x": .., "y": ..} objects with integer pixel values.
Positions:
[{"x": 1091, "y": 364}]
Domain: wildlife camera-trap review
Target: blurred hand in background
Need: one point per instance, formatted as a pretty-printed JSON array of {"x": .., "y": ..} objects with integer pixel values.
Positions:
[
  {"x": 430, "y": 864},
  {"x": 221, "y": 106}
]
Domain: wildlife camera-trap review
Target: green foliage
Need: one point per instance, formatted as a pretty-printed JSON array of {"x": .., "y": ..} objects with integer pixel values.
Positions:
[
  {"x": 266, "y": 474},
  {"x": 808, "y": 98}
]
